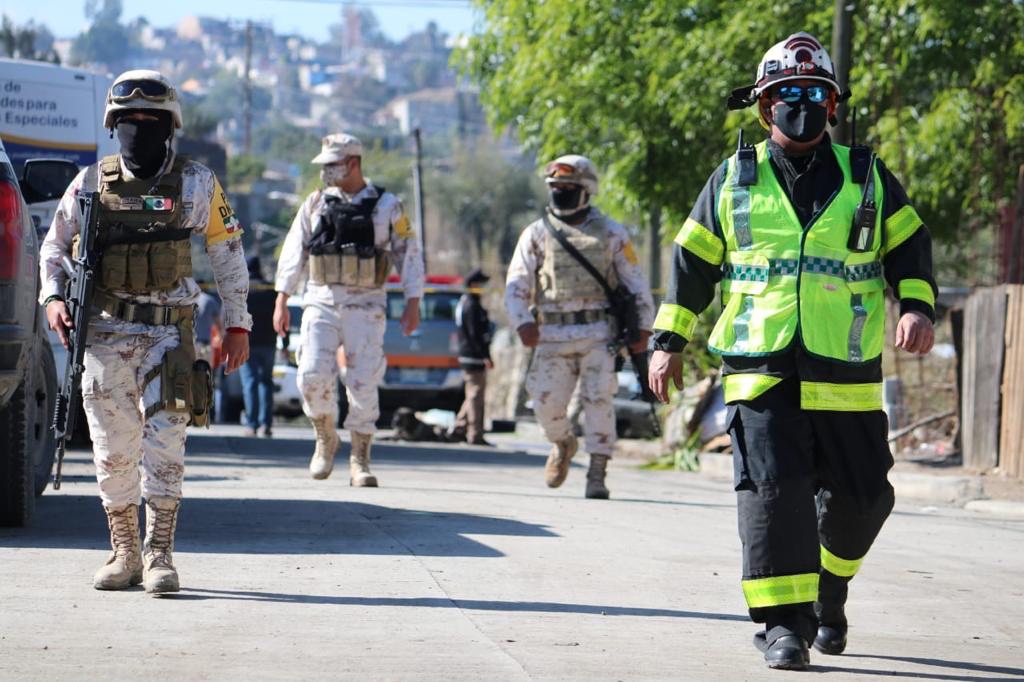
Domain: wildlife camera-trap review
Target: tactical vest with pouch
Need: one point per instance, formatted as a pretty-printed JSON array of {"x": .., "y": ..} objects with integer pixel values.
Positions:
[
  {"x": 144, "y": 246},
  {"x": 782, "y": 280},
  {"x": 343, "y": 249},
  {"x": 561, "y": 277}
]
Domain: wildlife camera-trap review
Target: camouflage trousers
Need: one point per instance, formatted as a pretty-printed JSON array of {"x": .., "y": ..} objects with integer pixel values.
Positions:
[
  {"x": 115, "y": 401},
  {"x": 359, "y": 328},
  {"x": 556, "y": 368}
]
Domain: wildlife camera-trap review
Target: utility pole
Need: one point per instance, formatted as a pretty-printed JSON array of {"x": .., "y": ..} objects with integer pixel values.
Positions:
[
  {"x": 842, "y": 44},
  {"x": 247, "y": 112},
  {"x": 417, "y": 179},
  {"x": 654, "y": 246}
]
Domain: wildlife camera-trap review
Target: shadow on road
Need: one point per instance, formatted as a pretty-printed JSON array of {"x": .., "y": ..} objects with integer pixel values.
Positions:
[
  {"x": 444, "y": 602},
  {"x": 261, "y": 526},
  {"x": 986, "y": 670},
  {"x": 277, "y": 452}
]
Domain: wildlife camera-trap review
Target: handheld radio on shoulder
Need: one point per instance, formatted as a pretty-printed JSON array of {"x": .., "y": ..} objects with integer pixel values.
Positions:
[
  {"x": 746, "y": 163},
  {"x": 862, "y": 234}
]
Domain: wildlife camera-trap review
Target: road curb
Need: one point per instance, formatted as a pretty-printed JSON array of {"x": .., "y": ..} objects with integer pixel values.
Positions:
[
  {"x": 997, "y": 507},
  {"x": 955, "y": 490}
]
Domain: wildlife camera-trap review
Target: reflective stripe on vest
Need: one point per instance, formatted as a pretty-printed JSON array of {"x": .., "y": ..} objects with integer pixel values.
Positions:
[
  {"x": 779, "y": 278},
  {"x": 918, "y": 289},
  {"x": 746, "y": 386},
  {"x": 780, "y": 590},
  {"x": 844, "y": 568},
  {"x": 676, "y": 319}
]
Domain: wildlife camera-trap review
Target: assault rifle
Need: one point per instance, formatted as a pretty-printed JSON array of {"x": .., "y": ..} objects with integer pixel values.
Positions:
[{"x": 81, "y": 274}]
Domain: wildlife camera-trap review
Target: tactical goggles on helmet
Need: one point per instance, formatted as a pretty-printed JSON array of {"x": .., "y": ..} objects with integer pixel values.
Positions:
[
  {"x": 791, "y": 94},
  {"x": 560, "y": 170},
  {"x": 152, "y": 90}
]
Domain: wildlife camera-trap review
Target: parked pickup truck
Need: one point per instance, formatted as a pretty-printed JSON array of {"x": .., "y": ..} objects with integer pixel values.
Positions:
[{"x": 28, "y": 377}]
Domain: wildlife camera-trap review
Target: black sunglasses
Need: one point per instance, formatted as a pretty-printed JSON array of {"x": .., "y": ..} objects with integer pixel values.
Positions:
[{"x": 791, "y": 94}]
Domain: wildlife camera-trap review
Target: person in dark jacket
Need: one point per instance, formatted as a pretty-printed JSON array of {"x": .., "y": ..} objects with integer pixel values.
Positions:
[
  {"x": 474, "y": 328},
  {"x": 257, "y": 372}
]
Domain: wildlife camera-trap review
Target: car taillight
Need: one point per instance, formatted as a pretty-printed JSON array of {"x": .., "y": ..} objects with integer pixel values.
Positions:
[{"x": 10, "y": 230}]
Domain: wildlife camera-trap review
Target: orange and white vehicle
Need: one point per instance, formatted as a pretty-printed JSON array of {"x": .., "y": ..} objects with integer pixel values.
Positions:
[{"x": 423, "y": 368}]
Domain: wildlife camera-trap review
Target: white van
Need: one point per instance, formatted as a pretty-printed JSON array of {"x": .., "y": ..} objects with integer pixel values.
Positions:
[{"x": 55, "y": 112}]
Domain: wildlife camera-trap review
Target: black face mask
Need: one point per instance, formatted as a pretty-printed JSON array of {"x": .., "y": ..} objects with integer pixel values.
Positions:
[
  {"x": 565, "y": 199},
  {"x": 802, "y": 121},
  {"x": 144, "y": 144}
]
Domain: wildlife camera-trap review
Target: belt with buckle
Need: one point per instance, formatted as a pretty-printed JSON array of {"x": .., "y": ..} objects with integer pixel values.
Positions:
[
  {"x": 572, "y": 317},
  {"x": 146, "y": 313}
]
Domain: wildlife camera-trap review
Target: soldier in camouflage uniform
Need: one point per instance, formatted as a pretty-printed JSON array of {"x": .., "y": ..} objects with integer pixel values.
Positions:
[
  {"x": 342, "y": 245},
  {"x": 142, "y": 384},
  {"x": 559, "y": 309}
]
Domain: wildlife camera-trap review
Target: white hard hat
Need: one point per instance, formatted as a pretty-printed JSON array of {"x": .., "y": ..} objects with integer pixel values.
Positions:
[
  {"x": 801, "y": 56},
  {"x": 798, "y": 57},
  {"x": 575, "y": 169},
  {"x": 141, "y": 89},
  {"x": 337, "y": 147}
]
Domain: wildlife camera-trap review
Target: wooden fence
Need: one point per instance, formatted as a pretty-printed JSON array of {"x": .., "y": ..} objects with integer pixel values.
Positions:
[{"x": 992, "y": 400}]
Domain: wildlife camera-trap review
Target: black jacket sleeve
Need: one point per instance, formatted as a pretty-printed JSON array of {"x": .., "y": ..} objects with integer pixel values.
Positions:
[
  {"x": 697, "y": 256},
  {"x": 907, "y": 250}
]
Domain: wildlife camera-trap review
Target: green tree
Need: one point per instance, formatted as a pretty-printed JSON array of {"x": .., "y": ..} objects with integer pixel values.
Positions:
[
  {"x": 485, "y": 201},
  {"x": 243, "y": 169},
  {"x": 31, "y": 41},
  {"x": 106, "y": 40},
  {"x": 640, "y": 86},
  {"x": 941, "y": 83}
]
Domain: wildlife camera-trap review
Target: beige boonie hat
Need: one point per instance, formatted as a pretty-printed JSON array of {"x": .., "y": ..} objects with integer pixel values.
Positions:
[{"x": 338, "y": 147}]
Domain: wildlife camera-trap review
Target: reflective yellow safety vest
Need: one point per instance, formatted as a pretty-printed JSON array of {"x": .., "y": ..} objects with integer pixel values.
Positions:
[{"x": 781, "y": 280}]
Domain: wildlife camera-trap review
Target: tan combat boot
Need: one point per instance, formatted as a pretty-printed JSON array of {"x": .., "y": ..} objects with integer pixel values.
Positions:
[
  {"x": 359, "y": 461},
  {"x": 327, "y": 446},
  {"x": 557, "y": 467},
  {"x": 124, "y": 567},
  {"x": 159, "y": 574},
  {"x": 596, "y": 489}
]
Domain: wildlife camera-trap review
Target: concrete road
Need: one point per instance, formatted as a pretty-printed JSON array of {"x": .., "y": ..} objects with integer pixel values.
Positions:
[{"x": 465, "y": 567}]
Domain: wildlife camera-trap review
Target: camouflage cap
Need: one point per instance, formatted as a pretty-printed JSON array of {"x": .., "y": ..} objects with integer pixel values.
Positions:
[{"x": 337, "y": 147}]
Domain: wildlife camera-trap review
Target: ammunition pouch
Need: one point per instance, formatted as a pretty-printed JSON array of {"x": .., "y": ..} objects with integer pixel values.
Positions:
[{"x": 351, "y": 268}]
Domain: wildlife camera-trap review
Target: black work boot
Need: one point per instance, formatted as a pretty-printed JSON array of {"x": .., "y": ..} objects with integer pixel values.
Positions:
[
  {"x": 832, "y": 628},
  {"x": 831, "y": 614},
  {"x": 786, "y": 650}
]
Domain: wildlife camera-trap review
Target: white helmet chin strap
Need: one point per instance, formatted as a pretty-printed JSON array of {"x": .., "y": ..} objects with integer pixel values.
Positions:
[{"x": 583, "y": 203}]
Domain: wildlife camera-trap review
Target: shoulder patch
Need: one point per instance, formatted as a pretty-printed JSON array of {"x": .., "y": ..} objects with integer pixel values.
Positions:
[
  {"x": 630, "y": 253},
  {"x": 223, "y": 223},
  {"x": 403, "y": 228}
]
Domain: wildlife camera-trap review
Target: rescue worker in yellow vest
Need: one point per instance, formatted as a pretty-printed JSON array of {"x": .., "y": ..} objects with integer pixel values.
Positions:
[
  {"x": 342, "y": 245},
  {"x": 802, "y": 235},
  {"x": 560, "y": 309},
  {"x": 142, "y": 384}
]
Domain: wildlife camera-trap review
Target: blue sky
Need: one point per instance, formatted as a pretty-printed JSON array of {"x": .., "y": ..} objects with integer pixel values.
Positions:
[{"x": 306, "y": 17}]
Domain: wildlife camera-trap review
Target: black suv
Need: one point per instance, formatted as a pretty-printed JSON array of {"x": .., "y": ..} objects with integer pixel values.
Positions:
[{"x": 28, "y": 376}]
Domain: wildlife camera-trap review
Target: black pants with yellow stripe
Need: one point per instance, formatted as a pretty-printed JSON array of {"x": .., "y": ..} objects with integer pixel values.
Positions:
[{"x": 812, "y": 494}]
